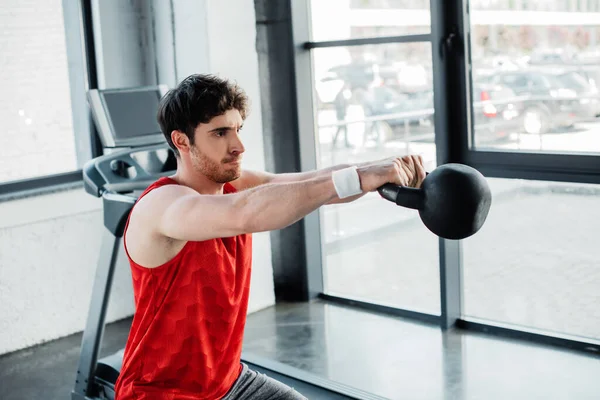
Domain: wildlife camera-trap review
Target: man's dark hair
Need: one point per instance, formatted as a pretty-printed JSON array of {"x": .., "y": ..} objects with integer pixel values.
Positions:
[{"x": 198, "y": 99}]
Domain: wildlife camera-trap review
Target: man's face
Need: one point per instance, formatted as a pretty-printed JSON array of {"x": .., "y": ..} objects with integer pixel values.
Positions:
[{"x": 217, "y": 149}]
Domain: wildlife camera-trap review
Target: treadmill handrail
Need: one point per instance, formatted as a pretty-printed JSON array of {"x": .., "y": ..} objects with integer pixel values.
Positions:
[
  {"x": 124, "y": 187},
  {"x": 99, "y": 178}
]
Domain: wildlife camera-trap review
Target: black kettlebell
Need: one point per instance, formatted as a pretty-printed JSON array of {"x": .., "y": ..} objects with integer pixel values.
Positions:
[{"x": 453, "y": 201}]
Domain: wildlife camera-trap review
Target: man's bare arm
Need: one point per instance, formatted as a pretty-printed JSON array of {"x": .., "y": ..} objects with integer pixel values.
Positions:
[
  {"x": 251, "y": 179},
  {"x": 183, "y": 214}
]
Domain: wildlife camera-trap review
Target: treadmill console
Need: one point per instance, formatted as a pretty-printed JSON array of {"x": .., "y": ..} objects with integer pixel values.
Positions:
[{"x": 127, "y": 117}]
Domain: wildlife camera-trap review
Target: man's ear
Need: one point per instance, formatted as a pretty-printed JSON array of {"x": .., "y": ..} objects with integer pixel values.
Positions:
[{"x": 180, "y": 141}]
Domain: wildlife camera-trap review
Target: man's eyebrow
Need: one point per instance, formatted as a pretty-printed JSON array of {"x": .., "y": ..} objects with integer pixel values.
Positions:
[
  {"x": 221, "y": 128},
  {"x": 225, "y": 128}
]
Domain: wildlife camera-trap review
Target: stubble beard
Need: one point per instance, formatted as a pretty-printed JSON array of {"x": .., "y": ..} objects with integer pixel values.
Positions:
[{"x": 218, "y": 172}]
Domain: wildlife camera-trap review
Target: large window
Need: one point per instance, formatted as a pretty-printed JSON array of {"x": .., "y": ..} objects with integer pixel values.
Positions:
[
  {"x": 536, "y": 76},
  {"x": 527, "y": 117},
  {"x": 375, "y": 101},
  {"x": 536, "y": 262},
  {"x": 536, "y": 81},
  {"x": 37, "y": 137},
  {"x": 372, "y": 106}
]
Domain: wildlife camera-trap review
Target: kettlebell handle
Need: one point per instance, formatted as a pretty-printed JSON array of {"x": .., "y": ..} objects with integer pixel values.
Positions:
[{"x": 402, "y": 195}]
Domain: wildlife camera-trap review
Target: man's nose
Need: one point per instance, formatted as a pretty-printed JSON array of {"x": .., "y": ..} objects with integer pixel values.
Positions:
[{"x": 237, "y": 147}]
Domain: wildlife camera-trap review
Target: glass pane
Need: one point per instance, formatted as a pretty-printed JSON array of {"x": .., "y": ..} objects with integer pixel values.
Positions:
[
  {"x": 368, "y": 18},
  {"x": 35, "y": 108},
  {"x": 536, "y": 75},
  {"x": 536, "y": 261},
  {"x": 376, "y": 102}
]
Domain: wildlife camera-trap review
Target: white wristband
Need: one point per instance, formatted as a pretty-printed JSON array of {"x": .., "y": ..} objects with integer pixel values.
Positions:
[{"x": 346, "y": 182}]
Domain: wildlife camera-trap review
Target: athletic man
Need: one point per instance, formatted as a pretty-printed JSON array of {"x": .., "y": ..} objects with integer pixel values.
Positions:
[{"x": 188, "y": 240}]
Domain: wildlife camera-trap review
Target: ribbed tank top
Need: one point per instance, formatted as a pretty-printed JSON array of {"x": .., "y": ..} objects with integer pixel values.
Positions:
[{"x": 186, "y": 336}]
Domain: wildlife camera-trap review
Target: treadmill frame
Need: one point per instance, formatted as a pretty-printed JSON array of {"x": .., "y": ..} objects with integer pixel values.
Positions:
[{"x": 85, "y": 383}]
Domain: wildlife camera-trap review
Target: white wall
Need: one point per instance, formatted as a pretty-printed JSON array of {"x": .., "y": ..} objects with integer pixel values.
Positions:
[
  {"x": 49, "y": 248},
  {"x": 49, "y": 244},
  {"x": 219, "y": 37},
  {"x": 232, "y": 54}
]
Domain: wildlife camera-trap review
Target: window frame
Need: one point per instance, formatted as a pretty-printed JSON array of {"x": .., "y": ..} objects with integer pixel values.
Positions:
[
  {"x": 82, "y": 76},
  {"x": 451, "y": 55}
]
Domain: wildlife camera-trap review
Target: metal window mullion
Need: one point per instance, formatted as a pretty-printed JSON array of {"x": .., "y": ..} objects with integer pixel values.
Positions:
[
  {"x": 426, "y": 37},
  {"x": 308, "y": 132},
  {"x": 77, "y": 67},
  {"x": 451, "y": 282},
  {"x": 495, "y": 171},
  {"x": 585, "y": 344},
  {"x": 583, "y": 168},
  {"x": 91, "y": 70},
  {"x": 40, "y": 185},
  {"x": 452, "y": 128}
]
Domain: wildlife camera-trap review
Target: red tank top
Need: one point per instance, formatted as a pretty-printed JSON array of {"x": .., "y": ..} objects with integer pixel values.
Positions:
[{"x": 186, "y": 337}]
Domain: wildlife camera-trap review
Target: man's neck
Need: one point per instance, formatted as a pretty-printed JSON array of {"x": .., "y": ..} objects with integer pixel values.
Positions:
[{"x": 199, "y": 182}]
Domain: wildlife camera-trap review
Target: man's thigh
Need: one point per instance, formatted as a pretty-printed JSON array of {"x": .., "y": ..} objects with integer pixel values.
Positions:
[{"x": 252, "y": 385}]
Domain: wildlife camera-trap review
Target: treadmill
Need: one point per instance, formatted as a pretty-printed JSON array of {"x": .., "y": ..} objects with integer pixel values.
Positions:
[{"x": 136, "y": 155}]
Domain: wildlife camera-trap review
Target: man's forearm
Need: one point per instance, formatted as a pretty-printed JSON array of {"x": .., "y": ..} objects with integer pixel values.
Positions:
[
  {"x": 302, "y": 176},
  {"x": 275, "y": 206}
]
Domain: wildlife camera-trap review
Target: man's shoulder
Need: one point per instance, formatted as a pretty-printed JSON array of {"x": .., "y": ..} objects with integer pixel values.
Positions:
[
  {"x": 174, "y": 189},
  {"x": 156, "y": 199}
]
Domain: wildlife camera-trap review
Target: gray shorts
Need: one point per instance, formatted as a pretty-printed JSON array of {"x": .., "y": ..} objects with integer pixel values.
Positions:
[{"x": 252, "y": 385}]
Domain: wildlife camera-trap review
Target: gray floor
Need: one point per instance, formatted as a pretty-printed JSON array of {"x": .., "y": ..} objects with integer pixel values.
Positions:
[
  {"x": 387, "y": 356},
  {"x": 48, "y": 371},
  {"x": 397, "y": 359}
]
